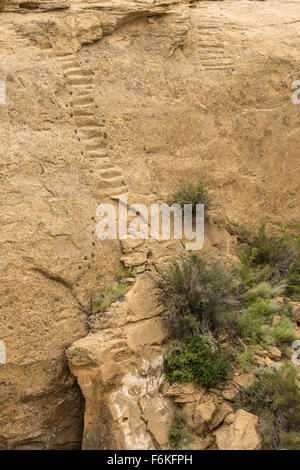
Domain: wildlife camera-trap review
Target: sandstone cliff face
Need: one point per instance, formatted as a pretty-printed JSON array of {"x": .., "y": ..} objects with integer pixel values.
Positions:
[
  {"x": 108, "y": 98},
  {"x": 119, "y": 367}
]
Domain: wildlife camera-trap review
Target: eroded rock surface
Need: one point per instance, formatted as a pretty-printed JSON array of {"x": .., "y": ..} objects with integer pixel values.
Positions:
[
  {"x": 119, "y": 367},
  {"x": 241, "y": 434}
]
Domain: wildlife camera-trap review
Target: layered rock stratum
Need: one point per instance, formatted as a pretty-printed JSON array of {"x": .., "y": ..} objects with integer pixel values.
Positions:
[{"x": 108, "y": 98}]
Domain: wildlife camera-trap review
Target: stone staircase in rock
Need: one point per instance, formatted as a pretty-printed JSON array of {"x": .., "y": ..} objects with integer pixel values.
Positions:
[
  {"x": 208, "y": 31},
  {"x": 89, "y": 130}
]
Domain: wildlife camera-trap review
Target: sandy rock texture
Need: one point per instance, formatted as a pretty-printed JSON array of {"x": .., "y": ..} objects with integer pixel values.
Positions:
[
  {"x": 241, "y": 434},
  {"x": 119, "y": 367},
  {"x": 106, "y": 98}
]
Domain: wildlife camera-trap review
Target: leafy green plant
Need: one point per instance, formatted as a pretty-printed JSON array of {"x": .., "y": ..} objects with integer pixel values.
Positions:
[
  {"x": 275, "y": 398},
  {"x": 108, "y": 295},
  {"x": 193, "y": 360},
  {"x": 195, "y": 193}
]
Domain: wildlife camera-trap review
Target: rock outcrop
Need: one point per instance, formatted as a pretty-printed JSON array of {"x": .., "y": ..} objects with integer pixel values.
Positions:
[
  {"x": 119, "y": 367},
  {"x": 241, "y": 434}
]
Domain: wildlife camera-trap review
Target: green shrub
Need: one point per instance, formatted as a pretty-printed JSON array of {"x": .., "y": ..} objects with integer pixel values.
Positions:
[
  {"x": 247, "y": 260},
  {"x": 193, "y": 360},
  {"x": 290, "y": 440},
  {"x": 275, "y": 398},
  {"x": 126, "y": 272},
  {"x": 195, "y": 193},
  {"x": 108, "y": 295},
  {"x": 199, "y": 294},
  {"x": 266, "y": 290},
  {"x": 179, "y": 438},
  {"x": 293, "y": 280},
  {"x": 284, "y": 332},
  {"x": 276, "y": 251},
  {"x": 255, "y": 323},
  {"x": 245, "y": 359}
]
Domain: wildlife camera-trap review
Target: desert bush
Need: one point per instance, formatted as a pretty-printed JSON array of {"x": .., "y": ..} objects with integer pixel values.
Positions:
[
  {"x": 192, "y": 360},
  {"x": 200, "y": 294},
  {"x": 245, "y": 359},
  {"x": 255, "y": 323},
  {"x": 273, "y": 250},
  {"x": 266, "y": 290},
  {"x": 179, "y": 438},
  {"x": 242, "y": 233},
  {"x": 276, "y": 251},
  {"x": 126, "y": 272},
  {"x": 290, "y": 440},
  {"x": 195, "y": 193},
  {"x": 283, "y": 333},
  {"x": 293, "y": 279},
  {"x": 108, "y": 295},
  {"x": 275, "y": 398}
]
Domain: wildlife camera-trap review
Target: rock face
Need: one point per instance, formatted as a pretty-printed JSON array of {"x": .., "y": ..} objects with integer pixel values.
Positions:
[
  {"x": 111, "y": 98},
  {"x": 128, "y": 404},
  {"x": 119, "y": 368},
  {"x": 240, "y": 435}
]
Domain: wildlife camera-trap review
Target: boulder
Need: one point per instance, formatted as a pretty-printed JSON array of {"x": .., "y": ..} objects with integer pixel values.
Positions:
[
  {"x": 203, "y": 416},
  {"x": 229, "y": 394},
  {"x": 244, "y": 380},
  {"x": 136, "y": 259},
  {"x": 223, "y": 410},
  {"x": 183, "y": 392},
  {"x": 240, "y": 435},
  {"x": 274, "y": 353},
  {"x": 229, "y": 418}
]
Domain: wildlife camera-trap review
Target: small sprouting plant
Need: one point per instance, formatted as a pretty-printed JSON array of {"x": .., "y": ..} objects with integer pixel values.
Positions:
[
  {"x": 108, "y": 295},
  {"x": 126, "y": 272}
]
